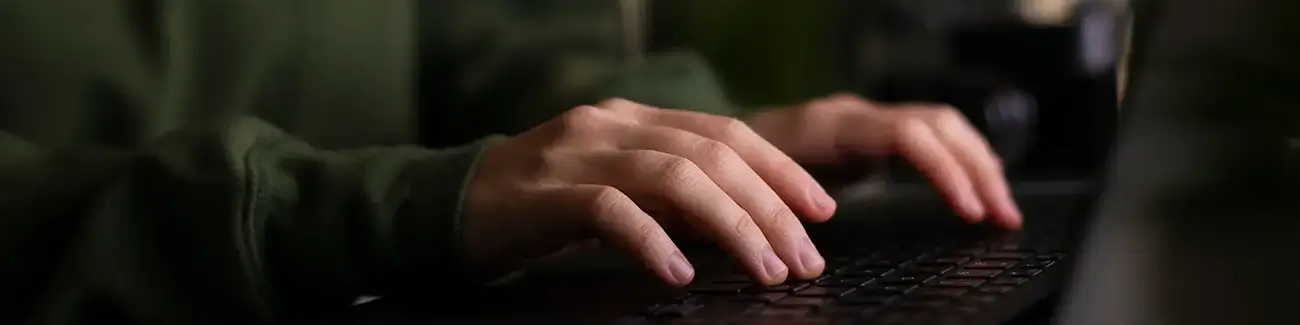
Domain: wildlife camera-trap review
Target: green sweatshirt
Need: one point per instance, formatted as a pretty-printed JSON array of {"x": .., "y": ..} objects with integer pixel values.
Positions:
[{"x": 240, "y": 161}]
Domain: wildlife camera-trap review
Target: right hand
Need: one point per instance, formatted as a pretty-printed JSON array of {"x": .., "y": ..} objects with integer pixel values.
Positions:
[{"x": 595, "y": 171}]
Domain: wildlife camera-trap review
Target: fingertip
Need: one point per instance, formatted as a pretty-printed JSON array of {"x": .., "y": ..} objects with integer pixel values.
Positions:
[
  {"x": 821, "y": 206},
  {"x": 971, "y": 210},
  {"x": 1012, "y": 221},
  {"x": 680, "y": 273},
  {"x": 774, "y": 270},
  {"x": 1009, "y": 214},
  {"x": 819, "y": 216},
  {"x": 810, "y": 272}
]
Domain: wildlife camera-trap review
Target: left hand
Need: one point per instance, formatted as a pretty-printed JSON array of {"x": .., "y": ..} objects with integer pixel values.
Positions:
[{"x": 935, "y": 138}]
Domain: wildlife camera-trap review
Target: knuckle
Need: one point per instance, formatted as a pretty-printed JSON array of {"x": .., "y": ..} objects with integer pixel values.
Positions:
[
  {"x": 552, "y": 158},
  {"x": 715, "y": 152},
  {"x": 775, "y": 216},
  {"x": 603, "y": 202},
  {"x": 732, "y": 129},
  {"x": 580, "y": 118},
  {"x": 911, "y": 128},
  {"x": 645, "y": 232},
  {"x": 948, "y": 115},
  {"x": 618, "y": 104},
  {"x": 678, "y": 171},
  {"x": 740, "y": 227}
]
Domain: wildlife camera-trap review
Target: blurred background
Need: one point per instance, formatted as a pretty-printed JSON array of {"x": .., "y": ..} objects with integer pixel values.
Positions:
[{"x": 1038, "y": 77}]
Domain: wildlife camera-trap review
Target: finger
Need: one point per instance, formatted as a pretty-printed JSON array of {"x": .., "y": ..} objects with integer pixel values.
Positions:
[
  {"x": 921, "y": 146},
  {"x": 789, "y": 180},
  {"x": 982, "y": 165},
  {"x": 646, "y": 175},
  {"x": 617, "y": 220},
  {"x": 729, "y": 172}
]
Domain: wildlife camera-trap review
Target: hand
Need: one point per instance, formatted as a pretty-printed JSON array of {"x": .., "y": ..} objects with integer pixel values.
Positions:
[
  {"x": 937, "y": 139},
  {"x": 604, "y": 171}
]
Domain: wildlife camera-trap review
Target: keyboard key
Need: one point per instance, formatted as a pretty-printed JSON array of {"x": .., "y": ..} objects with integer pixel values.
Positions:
[
  {"x": 907, "y": 279},
  {"x": 1012, "y": 256},
  {"x": 1010, "y": 280},
  {"x": 887, "y": 290},
  {"x": 980, "y": 274},
  {"x": 837, "y": 281},
  {"x": 935, "y": 270},
  {"x": 946, "y": 261},
  {"x": 979, "y": 299},
  {"x": 847, "y": 311},
  {"x": 886, "y": 263},
  {"x": 1049, "y": 256},
  {"x": 718, "y": 288},
  {"x": 986, "y": 264},
  {"x": 923, "y": 304},
  {"x": 1039, "y": 264},
  {"x": 823, "y": 291},
  {"x": 958, "y": 283},
  {"x": 784, "y": 287},
  {"x": 803, "y": 301},
  {"x": 892, "y": 258},
  {"x": 939, "y": 292},
  {"x": 996, "y": 289},
  {"x": 715, "y": 312},
  {"x": 766, "y": 298},
  {"x": 681, "y": 299},
  {"x": 965, "y": 251},
  {"x": 783, "y": 311},
  {"x": 866, "y": 300},
  {"x": 862, "y": 271},
  {"x": 1023, "y": 272}
]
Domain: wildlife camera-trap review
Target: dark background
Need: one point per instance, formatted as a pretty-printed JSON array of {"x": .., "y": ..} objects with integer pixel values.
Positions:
[{"x": 1040, "y": 83}]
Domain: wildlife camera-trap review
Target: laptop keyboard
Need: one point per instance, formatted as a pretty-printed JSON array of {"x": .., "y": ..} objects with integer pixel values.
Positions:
[{"x": 923, "y": 285}]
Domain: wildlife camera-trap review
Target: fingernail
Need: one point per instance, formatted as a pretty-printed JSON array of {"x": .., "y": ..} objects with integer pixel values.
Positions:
[
  {"x": 773, "y": 265},
  {"x": 824, "y": 201},
  {"x": 811, "y": 259},
  {"x": 681, "y": 269}
]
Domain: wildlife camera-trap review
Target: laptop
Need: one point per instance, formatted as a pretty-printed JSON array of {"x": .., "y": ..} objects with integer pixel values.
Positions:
[
  {"x": 1199, "y": 224},
  {"x": 895, "y": 255}
]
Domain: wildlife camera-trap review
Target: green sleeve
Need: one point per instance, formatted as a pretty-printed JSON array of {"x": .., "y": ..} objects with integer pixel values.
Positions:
[
  {"x": 215, "y": 224},
  {"x": 142, "y": 180},
  {"x": 518, "y": 64}
]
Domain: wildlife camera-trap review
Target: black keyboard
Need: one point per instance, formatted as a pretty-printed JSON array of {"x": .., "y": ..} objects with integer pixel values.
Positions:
[{"x": 975, "y": 282}]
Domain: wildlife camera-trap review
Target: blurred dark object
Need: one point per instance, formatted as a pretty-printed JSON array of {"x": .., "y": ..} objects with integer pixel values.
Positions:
[{"x": 1037, "y": 77}]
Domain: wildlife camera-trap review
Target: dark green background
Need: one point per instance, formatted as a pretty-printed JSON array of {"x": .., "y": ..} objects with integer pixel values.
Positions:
[{"x": 766, "y": 52}]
